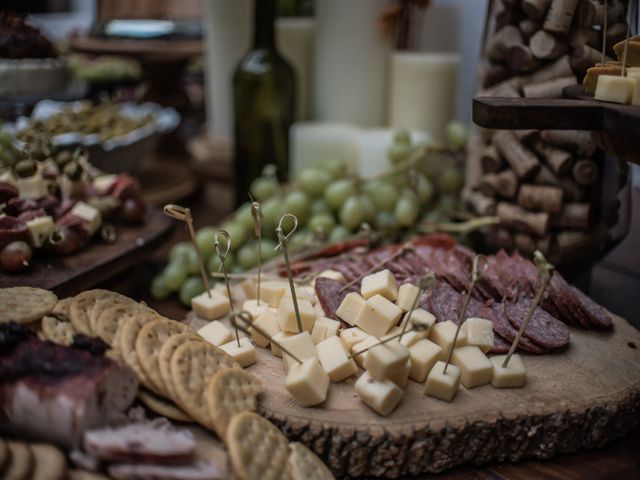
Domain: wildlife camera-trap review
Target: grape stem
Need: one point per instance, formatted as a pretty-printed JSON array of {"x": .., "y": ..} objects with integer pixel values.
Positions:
[
  {"x": 457, "y": 227},
  {"x": 418, "y": 154}
]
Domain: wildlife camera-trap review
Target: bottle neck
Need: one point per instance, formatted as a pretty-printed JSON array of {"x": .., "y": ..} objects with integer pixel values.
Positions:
[{"x": 264, "y": 24}]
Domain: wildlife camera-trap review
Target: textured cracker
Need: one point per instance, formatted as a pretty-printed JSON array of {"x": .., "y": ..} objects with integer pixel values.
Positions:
[
  {"x": 81, "y": 307},
  {"x": 103, "y": 303},
  {"x": 258, "y": 450},
  {"x": 128, "y": 332},
  {"x": 162, "y": 406},
  {"x": 25, "y": 304},
  {"x": 110, "y": 318},
  {"x": 62, "y": 307},
  {"x": 58, "y": 329},
  {"x": 306, "y": 465},
  {"x": 85, "y": 475},
  {"x": 164, "y": 359},
  {"x": 20, "y": 462},
  {"x": 49, "y": 462}
]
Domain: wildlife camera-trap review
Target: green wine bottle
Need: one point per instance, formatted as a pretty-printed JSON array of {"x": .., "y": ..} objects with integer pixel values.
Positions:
[{"x": 264, "y": 105}]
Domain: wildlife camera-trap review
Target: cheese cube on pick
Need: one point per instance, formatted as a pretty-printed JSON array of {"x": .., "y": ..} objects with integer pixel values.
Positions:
[
  {"x": 39, "y": 229},
  {"x": 378, "y": 316},
  {"x": 513, "y": 376},
  {"x": 424, "y": 354},
  {"x": 272, "y": 292},
  {"x": 386, "y": 359},
  {"x": 216, "y": 333},
  {"x": 358, "y": 347},
  {"x": 88, "y": 213},
  {"x": 307, "y": 382},
  {"x": 32, "y": 187},
  {"x": 350, "y": 336},
  {"x": 479, "y": 332},
  {"x": 249, "y": 287},
  {"x": 103, "y": 183},
  {"x": 635, "y": 98},
  {"x": 334, "y": 359},
  {"x": 253, "y": 308},
  {"x": 287, "y": 316},
  {"x": 317, "y": 308},
  {"x": 304, "y": 292},
  {"x": 443, "y": 333},
  {"x": 221, "y": 289},
  {"x": 332, "y": 274},
  {"x": 407, "y": 293},
  {"x": 275, "y": 341},
  {"x": 380, "y": 283},
  {"x": 614, "y": 88},
  {"x": 269, "y": 324},
  {"x": 422, "y": 317},
  {"x": 408, "y": 338},
  {"x": 401, "y": 376},
  {"x": 300, "y": 345},
  {"x": 475, "y": 367},
  {"x": 211, "y": 308},
  {"x": 245, "y": 354},
  {"x": 442, "y": 385},
  {"x": 324, "y": 328},
  {"x": 350, "y": 308},
  {"x": 381, "y": 396}
]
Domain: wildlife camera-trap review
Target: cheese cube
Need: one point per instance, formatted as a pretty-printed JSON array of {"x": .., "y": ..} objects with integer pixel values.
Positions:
[
  {"x": 424, "y": 354},
  {"x": 378, "y": 316},
  {"x": 9, "y": 178},
  {"x": 253, "y": 308},
  {"x": 250, "y": 287},
  {"x": 614, "y": 88},
  {"x": 103, "y": 183},
  {"x": 267, "y": 322},
  {"x": 401, "y": 376},
  {"x": 380, "y": 283},
  {"x": 443, "y": 333},
  {"x": 381, "y": 396},
  {"x": 216, "y": 333},
  {"x": 221, "y": 289},
  {"x": 408, "y": 338},
  {"x": 300, "y": 345},
  {"x": 245, "y": 354},
  {"x": 422, "y": 317},
  {"x": 442, "y": 385},
  {"x": 287, "y": 316},
  {"x": 635, "y": 74},
  {"x": 475, "y": 367},
  {"x": 386, "y": 359},
  {"x": 334, "y": 359},
  {"x": 350, "y": 336},
  {"x": 89, "y": 213},
  {"x": 32, "y": 187},
  {"x": 332, "y": 274},
  {"x": 407, "y": 293},
  {"x": 479, "y": 332},
  {"x": 272, "y": 292},
  {"x": 358, "y": 347},
  {"x": 350, "y": 308},
  {"x": 307, "y": 382},
  {"x": 275, "y": 342},
  {"x": 324, "y": 328},
  {"x": 305, "y": 292},
  {"x": 317, "y": 308},
  {"x": 511, "y": 377},
  {"x": 39, "y": 229},
  {"x": 211, "y": 308}
]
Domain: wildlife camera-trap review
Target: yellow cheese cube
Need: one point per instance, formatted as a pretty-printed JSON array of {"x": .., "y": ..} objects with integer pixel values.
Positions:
[
  {"x": 442, "y": 385},
  {"x": 422, "y": 317},
  {"x": 408, "y": 338},
  {"x": 275, "y": 341},
  {"x": 32, "y": 187},
  {"x": 249, "y": 287},
  {"x": 300, "y": 345},
  {"x": 103, "y": 183},
  {"x": 253, "y": 308},
  {"x": 305, "y": 292},
  {"x": 424, "y": 354},
  {"x": 9, "y": 178},
  {"x": 386, "y": 359},
  {"x": 287, "y": 316},
  {"x": 635, "y": 74},
  {"x": 216, "y": 333},
  {"x": 358, "y": 347},
  {"x": 39, "y": 229},
  {"x": 89, "y": 213},
  {"x": 332, "y": 274},
  {"x": 334, "y": 359},
  {"x": 324, "y": 328},
  {"x": 268, "y": 323},
  {"x": 401, "y": 376},
  {"x": 272, "y": 292},
  {"x": 407, "y": 293},
  {"x": 475, "y": 367},
  {"x": 614, "y": 88},
  {"x": 350, "y": 308},
  {"x": 380, "y": 283},
  {"x": 221, "y": 289},
  {"x": 378, "y": 316},
  {"x": 210, "y": 307},
  {"x": 350, "y": 336},
  {"x": 307, "y": 382},
  {"x": 479, "y": 332},
  {"x": 245, "y": 354},
  {"x": 317, "y": 308},
  {"x": 511, "y": 377},
  {"x": 381, "y": 396},
  {"x": 443, "y": 333}
]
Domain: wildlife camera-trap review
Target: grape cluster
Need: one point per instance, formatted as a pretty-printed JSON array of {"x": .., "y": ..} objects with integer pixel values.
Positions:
[{"x": 9, "y": 154}]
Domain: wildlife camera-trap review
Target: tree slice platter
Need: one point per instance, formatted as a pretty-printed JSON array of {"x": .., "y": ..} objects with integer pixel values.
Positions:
[{"x": 580, "y": 398}]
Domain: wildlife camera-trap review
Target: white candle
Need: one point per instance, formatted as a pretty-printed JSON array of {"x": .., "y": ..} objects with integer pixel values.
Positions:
[
  {"x": 423, "y": 91},
  {"x": 228, "y": 28},
  {"x": 294, "y": 37},
  {"x": 350, "y": 63},
  {"x": 374, "y": 147}
]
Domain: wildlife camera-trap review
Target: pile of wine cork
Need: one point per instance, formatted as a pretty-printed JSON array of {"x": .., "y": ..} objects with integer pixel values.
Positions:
[{"x": 546, "y": 187}]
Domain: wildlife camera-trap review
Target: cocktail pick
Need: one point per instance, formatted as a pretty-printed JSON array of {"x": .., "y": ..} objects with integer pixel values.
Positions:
[
  {"x": 256, "y": 213},
  {"x": 475, "y": 275},
  {"x": 247, "y": 319},
  {"x": 398, "y": 253},
  {"x": 282, "y": 244},
  {"x": 183, "y": 214},
  {"x": 545, "y": 270},
  {"x": 632, "y": 15},
  {"x": 426, "y": 282},
  {"x": 605, "y": 22},
  {"x": 223, "y": 256}
]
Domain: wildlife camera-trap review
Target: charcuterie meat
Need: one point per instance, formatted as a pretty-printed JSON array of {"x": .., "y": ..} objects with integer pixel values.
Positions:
[
  {"x": 543, "y": 329},
  {"x": 494, "y": 311}
]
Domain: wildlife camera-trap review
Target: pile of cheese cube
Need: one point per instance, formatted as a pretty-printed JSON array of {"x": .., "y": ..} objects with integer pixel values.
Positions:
[{"x": 619, "y": 89}]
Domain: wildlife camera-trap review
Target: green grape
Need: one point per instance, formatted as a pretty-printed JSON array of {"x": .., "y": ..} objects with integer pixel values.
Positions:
[
  {"x": 237, "y": 233},
  {"x": 319, "y": 206},
  {"x": 434, "y": 216},
  {"x": 192, "y": 261},
  {"x": 433, "y": 164},
  {"x": 353, "y": 213},
  {"x": 158, "y": 288},
  {"x": 243, "y": 216},
  {"x": 339, "y": 234},
  {"x": 451, "y": 181},
  {"x": 271, "y": 213},
  {"x": 384, "y": 196},
  {"x": 337, "y": 193},
  {"x": 299, "y": 240},
  {"x": 297, "y": 203},
  {"x": 369, "y": 208},
  {"x": 457, "y": 135},
  {"x": 448, "y": 203},
  {"x": 206, "y": 240},
  {"x": 192, "y": 287},
  {"x": 237, "y": 269},
  {"x": 386, "y": 221},
  {"x": 402, "y": 137},
  {"x": 179, "y": 250},
  {"x": 322, "y": 223},
  {"x": 213, "y": 264},
  {"x": 248, "y": 256},
  {"x": 263, "y": 188},
  {"x": 424, "y": 188},
  {"x": 267, "y": 249},
  {"x": 406, "y": 211},
  {"x": 314, "y": 181},
  {"x": 399, "y": 153},
  {"x": 336, "y": 167},
  {"x": 174, "y": 275},
  {"x": 6, "y": 139}
]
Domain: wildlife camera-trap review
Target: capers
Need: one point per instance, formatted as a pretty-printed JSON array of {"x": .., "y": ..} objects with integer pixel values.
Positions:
[{"x": 26, "y": 168}]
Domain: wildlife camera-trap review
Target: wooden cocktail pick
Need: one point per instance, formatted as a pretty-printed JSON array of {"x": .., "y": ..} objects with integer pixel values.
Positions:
[
  {"x": 632, "y": 14},
  {"x": 605, "y": 25},
  {"x": 475, "y": 276},
  {"x": 398, "y": 253},
  {"x": 256, "y": 213},
  {"x": 222, "y": 255},
  {"x": 183, "y": 214},
  {"x": 282, "y": 245},
  {"x": 426, "y": 282},
  {"x": 545, "y": 270}
]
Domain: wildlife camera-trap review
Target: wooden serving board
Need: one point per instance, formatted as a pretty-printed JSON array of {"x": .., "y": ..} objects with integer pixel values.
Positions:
[
  {"x": 580, "y": 398},
  {"x": 98, "y": 261}
]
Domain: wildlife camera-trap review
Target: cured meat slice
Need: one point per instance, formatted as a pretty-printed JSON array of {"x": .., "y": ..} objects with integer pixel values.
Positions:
[
  {"x": 512, "y": 275},
  {"x": 500, "y": 344},
  {"x": 543, "y": 329},
  {"x": 490, "y": 282},
  {"x": 597, "y": 315},
  {"x": 198, "y": 471},
  {"x": 494, "y": 311},
  {"x": 330, "y": 295},
  {"x": 443, "y": 301}
]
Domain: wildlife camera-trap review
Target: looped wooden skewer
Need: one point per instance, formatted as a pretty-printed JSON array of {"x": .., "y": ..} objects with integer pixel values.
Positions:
[
  {"x": 183, "y": 214},
  {"x": 416, "y": 327},
  {"x": 280, "y": 229},
  {"x": 256, "y": 213},
  {"x": 475, "y": 276},
  {"x": 222, "y": 256},
  {"x": 405, "y": 248},
  {"x": 426, "y": 282},
  {"x": 282, "y": 244}
]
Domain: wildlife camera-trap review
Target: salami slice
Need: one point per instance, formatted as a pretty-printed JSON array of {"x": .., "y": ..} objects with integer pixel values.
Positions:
[
  {"x": 543, "y": 329},
  {"x": 494, "y": 311},
  {"x": 597, "y": 315},
  {"x": 330, "y": 295},
  {"x": 443, "y": 301},
  {"x": 500, "y": 345}
]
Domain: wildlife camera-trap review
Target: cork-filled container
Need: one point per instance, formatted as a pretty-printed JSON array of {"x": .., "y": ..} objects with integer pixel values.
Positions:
[{"x": 552, "y": 190}]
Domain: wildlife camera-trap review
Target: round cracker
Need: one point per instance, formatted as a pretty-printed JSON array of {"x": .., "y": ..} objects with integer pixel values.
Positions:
[
  {"x": 81, "y": 306},
  {"x": 58, "y": 329},
  {"x": 110, "y": 318},
  {"x": 258, "y": 450},
  {"x": 303, "y": 463},
  {"x": 192, "y": 365},
  {"x": 25, "y": 304},
  {"x": 62, "y": 307},
  {"x": 162, "y": 406},
  {"x": 148, "y": 344},
  {"x": 164, "y": 359},
  {"x": 85, "y": 475},
  {"x": 128, "y": 332},
  {"x": 231, "y": 391},
  {"x": 49, "y": 462},
  {"x": 20, "y": 462},
  {"x": 104, "y": 302}
]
